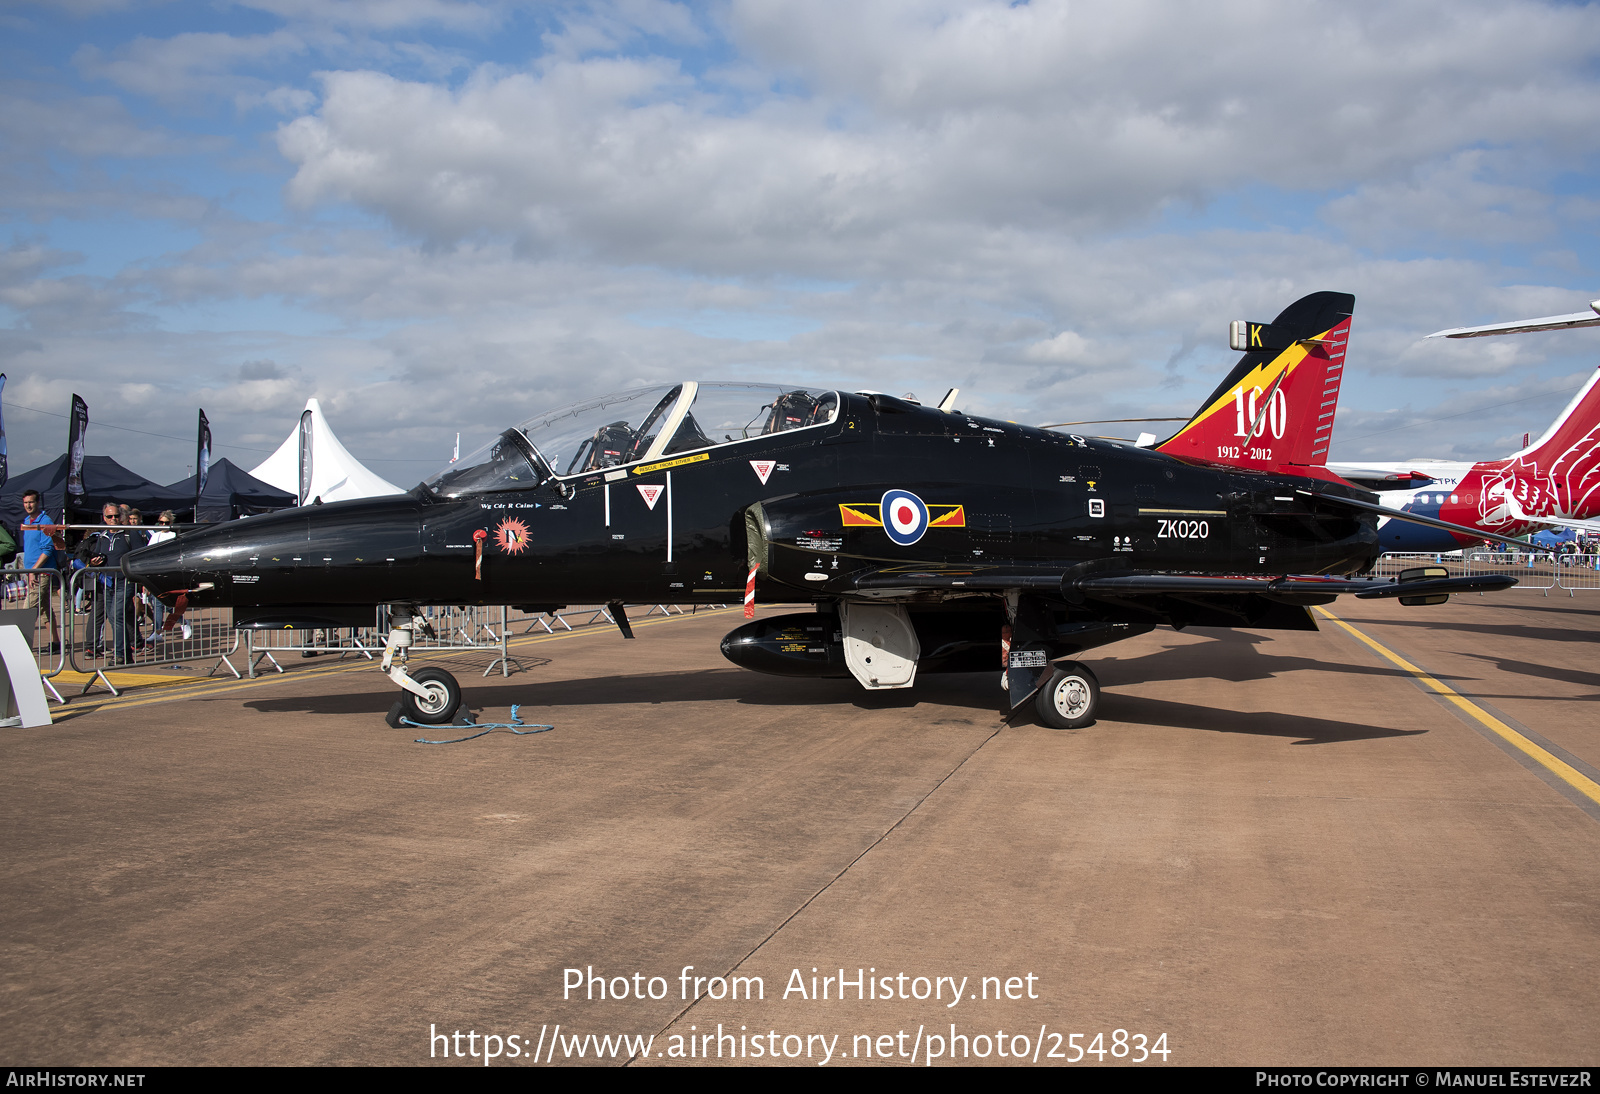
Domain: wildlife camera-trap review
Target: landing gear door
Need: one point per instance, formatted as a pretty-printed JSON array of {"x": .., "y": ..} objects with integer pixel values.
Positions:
[
  {"x": 880, "y": 645},
  {"x": 1025, "y": 669}
]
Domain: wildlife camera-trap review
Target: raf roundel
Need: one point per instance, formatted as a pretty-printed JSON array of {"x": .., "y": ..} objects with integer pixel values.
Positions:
[{"x": 905, "y": 518}]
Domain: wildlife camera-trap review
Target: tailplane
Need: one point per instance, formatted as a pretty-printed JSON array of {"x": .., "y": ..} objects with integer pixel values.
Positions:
[{"x": 1274, "y": 411}]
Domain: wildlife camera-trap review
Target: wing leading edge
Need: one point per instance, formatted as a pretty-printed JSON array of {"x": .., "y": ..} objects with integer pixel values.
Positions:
[{"x": 1125, "y": 584}]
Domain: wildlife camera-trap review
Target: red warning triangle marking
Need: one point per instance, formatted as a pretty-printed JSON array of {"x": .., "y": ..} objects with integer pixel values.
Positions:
[
  {"x": 650, "y": 494},
  {"x": 763, "y": 468}
]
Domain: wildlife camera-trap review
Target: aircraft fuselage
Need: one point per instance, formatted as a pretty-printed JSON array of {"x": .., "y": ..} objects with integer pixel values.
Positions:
[{"x": 675, "y": 529}]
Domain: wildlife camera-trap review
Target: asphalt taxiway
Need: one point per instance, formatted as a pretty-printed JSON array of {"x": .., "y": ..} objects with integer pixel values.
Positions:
[{"x": 1374, "y": 844}]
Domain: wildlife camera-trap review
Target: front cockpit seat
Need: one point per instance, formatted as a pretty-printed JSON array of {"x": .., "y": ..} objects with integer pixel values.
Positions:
[{"x": 608, "y": 447}]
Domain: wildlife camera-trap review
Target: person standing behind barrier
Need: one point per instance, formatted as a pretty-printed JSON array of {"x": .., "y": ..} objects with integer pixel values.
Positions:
[
  {"x": 141, "y": 607},
  {"x": 113, "y": 591},
  {"x": 39, "y": 553},
  {"x": 158, "y": 610}
]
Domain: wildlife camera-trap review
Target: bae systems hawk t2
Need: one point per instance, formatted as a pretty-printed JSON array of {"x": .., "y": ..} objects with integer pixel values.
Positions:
[{"x": 927, "y": 540}]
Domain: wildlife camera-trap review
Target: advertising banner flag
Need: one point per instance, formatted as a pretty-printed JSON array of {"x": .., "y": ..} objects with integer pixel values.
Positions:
[
  {"x": 3, "y": 472},
  {"x": 77, "y": 437},
  {"x": 305, "y": 457},
  {"x": 202, "y": 460}
]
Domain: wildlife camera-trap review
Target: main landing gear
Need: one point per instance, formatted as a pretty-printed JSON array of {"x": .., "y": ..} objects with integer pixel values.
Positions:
[
  {"x": 1069, "y": 696},
  {"x": 431, "y": 695}
]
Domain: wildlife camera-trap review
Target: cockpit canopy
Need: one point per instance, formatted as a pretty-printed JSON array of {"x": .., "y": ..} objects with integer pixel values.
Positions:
[{"x": 633, "y": 427}]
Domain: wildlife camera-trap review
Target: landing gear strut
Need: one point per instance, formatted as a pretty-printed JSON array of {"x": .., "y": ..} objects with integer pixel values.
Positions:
[{"x": 431, "y": 696}]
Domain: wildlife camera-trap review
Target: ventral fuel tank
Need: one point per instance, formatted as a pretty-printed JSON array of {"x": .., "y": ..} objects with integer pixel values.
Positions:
[{"x": 812, "y": 644}]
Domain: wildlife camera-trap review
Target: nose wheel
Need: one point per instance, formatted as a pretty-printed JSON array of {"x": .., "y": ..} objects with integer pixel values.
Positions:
[
  {"x": 429, "y": 696},
  {"x": 1069, "y": 697},
  {"x": 437, "y": 707}
]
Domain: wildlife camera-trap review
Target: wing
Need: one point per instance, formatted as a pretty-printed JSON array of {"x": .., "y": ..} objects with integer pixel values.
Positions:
[
  {"x": 1519, "y": 513},
  {"x": 1302, "y": 590},
  {"x": 1588, "y": 318},
  {"x": 1376, "y": 477},
  {"x": 1591, "y": 526},
  {"x": 1415, "y": 518}
]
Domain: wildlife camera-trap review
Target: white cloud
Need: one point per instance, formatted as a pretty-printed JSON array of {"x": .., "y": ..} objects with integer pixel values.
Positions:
[
  {"x": 189, "y": 67},
  {"x": 31, "y": 119},
  {"x": 1483, "y": 424},
  {"x": 79, "y": 8},
  {"x": 924, "y": 126},
  {"x": 1066, "y": 348},
  {"x": 384, "y": 15},
  {"x": 1449, "y": 202},
  {"x": 914, "y": 195},
  {"x": 609, "y": 25}
]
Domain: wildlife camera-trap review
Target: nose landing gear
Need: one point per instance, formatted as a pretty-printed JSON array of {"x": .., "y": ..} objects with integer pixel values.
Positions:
[{"x": 431, "y": 696}]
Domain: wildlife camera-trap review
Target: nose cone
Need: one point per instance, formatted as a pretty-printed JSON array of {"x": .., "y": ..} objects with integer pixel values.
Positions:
[{"x": 353, "y": 552}]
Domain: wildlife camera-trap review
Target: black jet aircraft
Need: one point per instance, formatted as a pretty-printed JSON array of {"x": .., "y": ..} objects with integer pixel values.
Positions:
[{"x": 928, "y": 540}]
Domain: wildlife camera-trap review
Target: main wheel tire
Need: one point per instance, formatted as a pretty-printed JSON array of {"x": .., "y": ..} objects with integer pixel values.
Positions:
[
  {"x": 443, "y": 699},
  {"x": 1069, "y": 697}
]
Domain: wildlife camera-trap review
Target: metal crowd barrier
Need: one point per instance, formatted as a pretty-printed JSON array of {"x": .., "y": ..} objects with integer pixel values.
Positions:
[
  {"x": 110, "y": 622},
  {"x": 457, "y": 628},
  {"x": 1578, "y": 572},
  {"x": 464, "y": 628},
  {"x": 1536, "y": 571},
  {"x": 95, "y": 619},
  {"x": 1392, "y": 564},
  {"x": 31, "y": 601},
  {"x": 1540, "y": 570},
  {"x": 594, "y": 613},
  {"x": 269, "y": 645}
]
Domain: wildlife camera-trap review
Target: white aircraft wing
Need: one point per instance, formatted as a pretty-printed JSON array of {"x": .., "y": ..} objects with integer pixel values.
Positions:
[
  {"x": 1590, "y": 318},
  {"x": 1591, "y": 526},
  {"x": 1558, "y": 522}
]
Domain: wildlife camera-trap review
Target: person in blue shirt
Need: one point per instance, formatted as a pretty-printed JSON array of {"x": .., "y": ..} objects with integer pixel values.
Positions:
[{"x": 39, "y": 553}]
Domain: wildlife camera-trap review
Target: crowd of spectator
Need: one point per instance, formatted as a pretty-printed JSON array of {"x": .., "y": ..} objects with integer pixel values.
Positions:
[{"x": 116, "y": 610}]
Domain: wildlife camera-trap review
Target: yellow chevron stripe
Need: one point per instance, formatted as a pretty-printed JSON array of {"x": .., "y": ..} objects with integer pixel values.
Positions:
[{"x": 1262, "y": 376}]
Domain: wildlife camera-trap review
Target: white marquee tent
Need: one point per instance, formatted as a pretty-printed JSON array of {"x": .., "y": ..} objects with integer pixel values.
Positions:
[{"x": 335, "y": 474}]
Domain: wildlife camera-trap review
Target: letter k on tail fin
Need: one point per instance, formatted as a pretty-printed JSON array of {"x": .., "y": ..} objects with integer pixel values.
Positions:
[{"x": 1274, "y": 412}]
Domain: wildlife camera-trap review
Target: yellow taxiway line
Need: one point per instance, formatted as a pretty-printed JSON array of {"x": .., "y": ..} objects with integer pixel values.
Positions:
[
  {"x": 1543, "y": 757},
  {"x": 119, "y": 678}
]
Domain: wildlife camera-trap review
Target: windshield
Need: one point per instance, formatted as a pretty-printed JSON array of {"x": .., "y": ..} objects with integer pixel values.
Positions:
[
  {"x": 500, "y": 465},
  {"x": 631, "y": 426}
]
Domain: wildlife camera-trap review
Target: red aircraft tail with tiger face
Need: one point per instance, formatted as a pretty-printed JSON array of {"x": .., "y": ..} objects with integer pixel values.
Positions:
[{"x": 1274, "y": 411}]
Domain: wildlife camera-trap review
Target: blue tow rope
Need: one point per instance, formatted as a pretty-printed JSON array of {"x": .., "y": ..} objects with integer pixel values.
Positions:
[{"x": 516, "y": 725}]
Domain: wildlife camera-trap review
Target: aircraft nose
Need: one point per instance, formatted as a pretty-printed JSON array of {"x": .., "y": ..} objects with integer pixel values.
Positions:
[{"x": 158, "y": 568}]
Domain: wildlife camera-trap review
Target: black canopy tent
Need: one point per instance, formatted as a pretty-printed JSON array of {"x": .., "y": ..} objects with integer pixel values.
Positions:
[
  {"x": 104, "y": 480},
  {"x": 232, "y": 492}
]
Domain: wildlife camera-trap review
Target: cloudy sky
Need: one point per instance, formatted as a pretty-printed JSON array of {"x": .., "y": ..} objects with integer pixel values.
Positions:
[{"x": 442, "y": 215}]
